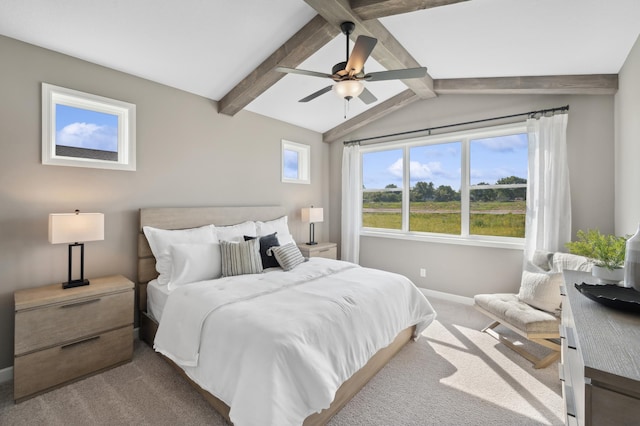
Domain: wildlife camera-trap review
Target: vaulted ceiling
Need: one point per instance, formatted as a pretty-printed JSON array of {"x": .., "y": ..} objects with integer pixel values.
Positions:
[{"x": 228, "y": 51}]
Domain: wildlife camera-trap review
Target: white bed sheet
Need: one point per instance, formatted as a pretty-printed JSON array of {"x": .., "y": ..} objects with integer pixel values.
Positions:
[
  {"x": 157, "y": 296},
  {"x": 276, "y": 346}
]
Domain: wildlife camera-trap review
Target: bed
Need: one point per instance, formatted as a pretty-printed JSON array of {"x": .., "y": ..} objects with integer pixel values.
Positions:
[{"x": 288, "y": 360}]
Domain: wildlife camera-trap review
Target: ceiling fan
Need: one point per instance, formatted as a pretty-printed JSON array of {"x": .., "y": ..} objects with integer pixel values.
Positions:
[{"x": 349, "y": 75}]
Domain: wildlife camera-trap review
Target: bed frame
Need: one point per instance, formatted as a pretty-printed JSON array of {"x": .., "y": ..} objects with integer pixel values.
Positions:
[{"x": 190, "y": 217}]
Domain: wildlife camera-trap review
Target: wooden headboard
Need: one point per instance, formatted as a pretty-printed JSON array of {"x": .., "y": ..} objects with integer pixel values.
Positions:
[{"x": 189, "y": 217}]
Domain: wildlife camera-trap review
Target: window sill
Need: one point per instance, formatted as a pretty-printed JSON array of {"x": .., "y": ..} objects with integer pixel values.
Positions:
[{"x": 480, "y": 241}]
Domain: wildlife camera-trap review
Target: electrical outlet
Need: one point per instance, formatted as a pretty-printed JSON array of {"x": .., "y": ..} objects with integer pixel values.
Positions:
[{"x": 423, "y": 272}]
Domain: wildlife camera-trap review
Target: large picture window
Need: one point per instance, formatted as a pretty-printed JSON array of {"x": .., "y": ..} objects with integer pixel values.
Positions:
[{"x": 468, "y": 186}]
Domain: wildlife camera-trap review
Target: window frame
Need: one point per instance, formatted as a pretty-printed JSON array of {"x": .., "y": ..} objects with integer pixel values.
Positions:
[
  {"x": 126, "y": 132},
  {"x": 464, "y": 137},
  {"x": 304, "y": 162}
]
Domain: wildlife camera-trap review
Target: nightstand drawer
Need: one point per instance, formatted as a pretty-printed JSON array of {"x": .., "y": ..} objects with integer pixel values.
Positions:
[
  {"x": 60, "y": 323},
  {"x": 329, "y": 253},
  {"x": 40, "y": 371},
  {"x": 326, "y": 250}
]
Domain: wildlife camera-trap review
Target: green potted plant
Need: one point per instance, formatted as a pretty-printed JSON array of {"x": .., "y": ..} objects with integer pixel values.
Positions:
[{"x": 607, "y": 252}]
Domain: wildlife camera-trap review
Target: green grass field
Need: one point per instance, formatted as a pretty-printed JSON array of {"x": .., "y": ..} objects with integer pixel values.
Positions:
[{"x": 504, "y": 219}]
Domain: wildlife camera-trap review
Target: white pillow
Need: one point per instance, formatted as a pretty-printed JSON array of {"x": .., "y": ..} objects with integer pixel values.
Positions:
[
  {"x": 288, "y": 256},
  {"x": 194, "y": 262},
  {"x": 161, "y": 239},
  {"x": 541, "y": 290},
  {"x": 236, "y": 232},
  {"x": 241, "y": 258},
  {"x": 573, "y": 262},
  {"x": 280, "y": 225}
]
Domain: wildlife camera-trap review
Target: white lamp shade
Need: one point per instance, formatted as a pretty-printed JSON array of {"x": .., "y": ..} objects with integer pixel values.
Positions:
[
  {"x": 348, "y": 88},
  {"x": 75, "y": 227},
  {"x": 312, "y": 214}
]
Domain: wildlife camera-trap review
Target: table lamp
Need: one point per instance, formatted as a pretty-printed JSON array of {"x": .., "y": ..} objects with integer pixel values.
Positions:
[
  {"x": 76, "y": 229},
  {"x": 312, "y": 215}
]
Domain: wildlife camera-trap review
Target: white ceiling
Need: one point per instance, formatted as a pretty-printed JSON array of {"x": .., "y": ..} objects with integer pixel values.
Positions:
[{"x": 207, "y": 46}]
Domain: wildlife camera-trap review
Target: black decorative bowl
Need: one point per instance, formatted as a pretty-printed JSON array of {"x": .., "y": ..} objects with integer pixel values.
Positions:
[{"x": 622, "y": 298}]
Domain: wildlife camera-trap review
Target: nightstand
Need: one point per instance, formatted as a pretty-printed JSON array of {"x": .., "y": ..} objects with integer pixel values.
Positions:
[
  {"x": 327, "y": 250},
  {"x": 64, "y": 335}
]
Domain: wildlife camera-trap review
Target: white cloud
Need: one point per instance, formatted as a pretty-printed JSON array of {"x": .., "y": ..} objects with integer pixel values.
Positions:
[
  {"x": 418, "y": 170},
  {"x": 396, "y": 168},
  {"x": 88, "y": 135}
]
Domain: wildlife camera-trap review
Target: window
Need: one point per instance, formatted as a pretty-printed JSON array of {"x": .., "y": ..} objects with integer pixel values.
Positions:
[
  {"x": 468, "y": 186},
  {"x": 84, "y": 130},
  {"x": 295, "y": 162},
  {"x": 382, "y": 192}
]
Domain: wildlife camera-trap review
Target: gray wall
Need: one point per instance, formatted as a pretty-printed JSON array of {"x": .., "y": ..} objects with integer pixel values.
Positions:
[
  {"x": 468, "y": 270},
  {"x": 188, "y": 155},
  {"x": 627, "y": 103}
]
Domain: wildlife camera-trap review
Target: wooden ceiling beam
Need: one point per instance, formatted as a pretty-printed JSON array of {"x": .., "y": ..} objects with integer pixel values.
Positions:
[
  {"x": 390, "y": 105},
  {"x": 374, "y": 9},
  {"x": 597, "y": 84},
  {"x": 388, "y": 51},
  {"x": 314, "y": 35}
]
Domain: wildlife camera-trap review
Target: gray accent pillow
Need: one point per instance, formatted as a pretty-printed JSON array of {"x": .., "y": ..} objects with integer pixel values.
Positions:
[
  {"x": 240, "y": 258},
  {"x": 288, "y": 256}
]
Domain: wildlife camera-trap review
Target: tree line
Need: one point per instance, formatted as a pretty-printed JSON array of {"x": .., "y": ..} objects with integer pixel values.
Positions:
[{"x": 427, "y": 191}]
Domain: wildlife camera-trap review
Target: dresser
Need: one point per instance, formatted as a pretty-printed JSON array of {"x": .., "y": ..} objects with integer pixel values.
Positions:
[
  {"x": 62, "y": 335},
  {"x": 327, "y": 250},
  {"x": 600, "y": 367}
]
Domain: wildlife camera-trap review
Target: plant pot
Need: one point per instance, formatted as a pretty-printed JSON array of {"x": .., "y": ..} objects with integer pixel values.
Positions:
[{"x": 608, "y": 276}]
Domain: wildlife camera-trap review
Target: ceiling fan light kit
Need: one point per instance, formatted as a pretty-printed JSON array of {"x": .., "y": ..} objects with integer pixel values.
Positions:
[
  {"x": 348, "y": 89},
  {"x": 349, "y": 75}
]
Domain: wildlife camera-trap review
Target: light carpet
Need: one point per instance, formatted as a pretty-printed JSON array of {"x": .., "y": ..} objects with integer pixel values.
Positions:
[{"x": 453, "y": 375}]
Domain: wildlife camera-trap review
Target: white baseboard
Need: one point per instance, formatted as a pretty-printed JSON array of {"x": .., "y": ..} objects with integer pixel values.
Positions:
[
  {"x": 447, "y": 296},
  {"x": 6, "y": 375}
]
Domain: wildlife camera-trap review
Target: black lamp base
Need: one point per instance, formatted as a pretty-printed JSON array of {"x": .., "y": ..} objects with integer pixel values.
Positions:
[
  {"x": 75, "y": 283},
  {"x": 312, "y": 235}
]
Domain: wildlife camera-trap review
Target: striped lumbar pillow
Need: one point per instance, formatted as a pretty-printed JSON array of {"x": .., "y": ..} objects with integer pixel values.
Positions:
[
  {"x": 240, "y": 258},
  {"x": 288, "y": 256}
]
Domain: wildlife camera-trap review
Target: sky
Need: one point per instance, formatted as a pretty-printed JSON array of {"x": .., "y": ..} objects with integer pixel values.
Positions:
[
  {"x": 83, "y": 128},
  {"x": 491, "y": 159},
  {"x": 291, "y": 164}
]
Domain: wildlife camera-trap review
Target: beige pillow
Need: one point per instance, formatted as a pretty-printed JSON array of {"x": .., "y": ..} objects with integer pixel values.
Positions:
[{"x": 541, "y": 290}]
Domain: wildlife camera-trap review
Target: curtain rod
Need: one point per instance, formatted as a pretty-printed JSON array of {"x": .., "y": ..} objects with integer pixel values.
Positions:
[{"x": 429, "y": 129}]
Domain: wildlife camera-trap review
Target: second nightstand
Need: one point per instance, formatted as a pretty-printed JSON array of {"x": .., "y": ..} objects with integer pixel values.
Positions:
[{"x": 326, "y": 250}]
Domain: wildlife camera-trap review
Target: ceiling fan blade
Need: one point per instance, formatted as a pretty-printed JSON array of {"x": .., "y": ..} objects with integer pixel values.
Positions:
[
  {"x": 361, "y": 51},
  {"x": 316, "y": 94},
  {"x": 367, "y": 97},
  {"x": 302, "y": 72},
  {"x": 397, "y": 74}
]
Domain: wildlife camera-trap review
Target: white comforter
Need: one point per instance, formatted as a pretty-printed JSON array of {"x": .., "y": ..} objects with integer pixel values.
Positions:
[{"x": 276, "y": 346}]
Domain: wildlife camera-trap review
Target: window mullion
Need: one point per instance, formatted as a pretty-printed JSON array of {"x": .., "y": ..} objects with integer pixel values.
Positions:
[
  {"x": 406, "y": 190},
  {"x": 464, "y": 188}
]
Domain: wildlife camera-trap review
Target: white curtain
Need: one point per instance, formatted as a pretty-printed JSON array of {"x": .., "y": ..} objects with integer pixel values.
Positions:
[
  {"x": 351, "y": 203},
  {"x": 548, "y": 219}
]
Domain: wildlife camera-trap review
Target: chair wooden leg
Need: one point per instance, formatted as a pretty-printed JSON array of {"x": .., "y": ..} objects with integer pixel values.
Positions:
[
  {"x": 537, "y": 362},
  {"x": 491, "y": 326},
  {"x": 547, "y": 360}
]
